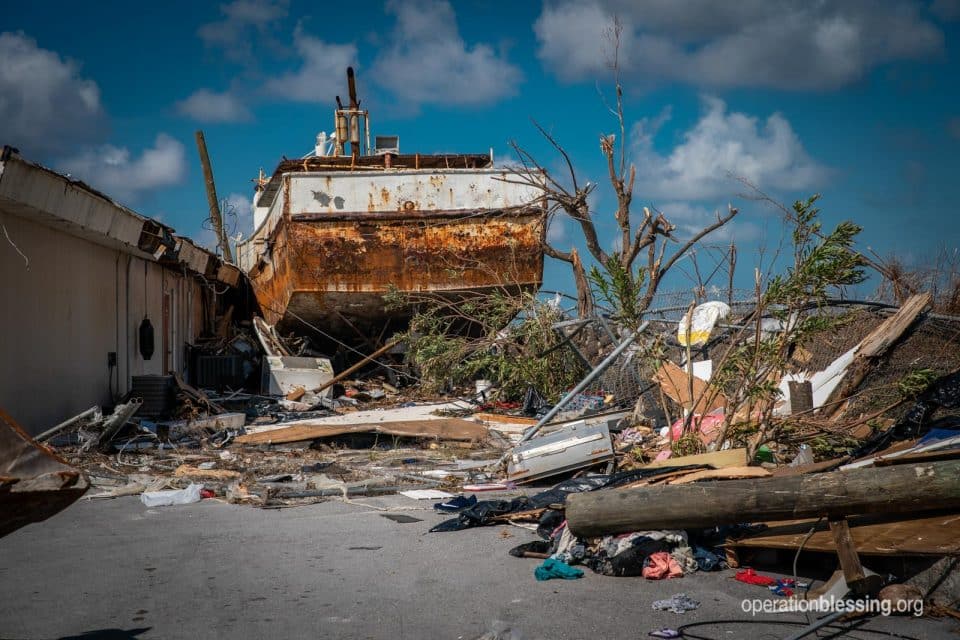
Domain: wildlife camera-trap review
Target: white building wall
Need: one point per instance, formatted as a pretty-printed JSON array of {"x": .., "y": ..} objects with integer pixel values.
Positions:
[{"x": 78, "y": 301}]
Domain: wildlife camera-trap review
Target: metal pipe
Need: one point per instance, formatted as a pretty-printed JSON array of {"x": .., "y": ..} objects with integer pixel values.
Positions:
[
  {"x": 593, "y": 375},
  {"x": 52, "y": 431},
  {"x": 818, "y": 624}
]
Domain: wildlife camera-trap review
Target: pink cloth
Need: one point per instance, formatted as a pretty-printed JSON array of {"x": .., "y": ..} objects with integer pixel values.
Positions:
[
  {"x": 709, "y": 426},
  {"x": 661, "y": 565}
]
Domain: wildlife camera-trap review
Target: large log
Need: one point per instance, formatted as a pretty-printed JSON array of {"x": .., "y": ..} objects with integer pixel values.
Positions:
[{"x": 899, "y": 489}]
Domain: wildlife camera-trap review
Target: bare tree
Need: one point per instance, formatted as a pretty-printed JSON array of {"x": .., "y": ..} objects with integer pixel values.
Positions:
[{"x": 652, "y": 236}]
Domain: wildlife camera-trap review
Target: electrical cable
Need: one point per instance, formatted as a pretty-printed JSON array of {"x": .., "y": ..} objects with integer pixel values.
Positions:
[
  {"x": 682, "y": 629},
  {"x": 796, "y": 558}
]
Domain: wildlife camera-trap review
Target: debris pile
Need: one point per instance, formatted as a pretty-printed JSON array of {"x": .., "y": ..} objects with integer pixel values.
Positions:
[{"x": 685, "y": 472}]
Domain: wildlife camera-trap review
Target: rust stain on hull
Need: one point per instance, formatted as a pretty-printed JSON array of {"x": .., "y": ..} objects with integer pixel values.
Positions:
[{"x": 323, "y": 267}]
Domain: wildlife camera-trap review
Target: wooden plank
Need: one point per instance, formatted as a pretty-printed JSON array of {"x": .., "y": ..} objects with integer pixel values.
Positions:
[
  {"x": 502, "y": 419},
  {"x": 716, "y": 459},
  {"x": 815, "y": 467},
  {"x": 440, "y": 429},
  {"x": 676, "y": 384},
  {"x": 873, "y": 346},
  {"x": 801, "y": 397},
  {"x": 726, "y": 473},
  {"x": 847, "y": 552},
  {"x": 872, "y": 535},
  {"x": 186, "y": 471},
  {"x": 914, "y": 458}
]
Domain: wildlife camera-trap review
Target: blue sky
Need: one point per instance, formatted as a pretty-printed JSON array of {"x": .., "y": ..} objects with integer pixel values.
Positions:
[{"x": 857, "y": 100}]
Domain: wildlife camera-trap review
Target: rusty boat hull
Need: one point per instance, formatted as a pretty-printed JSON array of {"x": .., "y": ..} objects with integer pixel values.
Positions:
[{"x": 333, "y": 243}]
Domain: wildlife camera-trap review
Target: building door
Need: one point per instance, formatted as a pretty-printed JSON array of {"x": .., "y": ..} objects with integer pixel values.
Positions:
[{"x": 167, "y": 333}]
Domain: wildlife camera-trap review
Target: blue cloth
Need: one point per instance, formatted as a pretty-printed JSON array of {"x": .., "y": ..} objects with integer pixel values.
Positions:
[
  {"x": 552, "y": 568},
  {"x": 706, "y": 559}
]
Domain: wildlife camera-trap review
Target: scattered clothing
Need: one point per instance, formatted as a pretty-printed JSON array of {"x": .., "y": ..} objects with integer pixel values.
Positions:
[
  {"x": 783, "y": 587},
  {"x": 537, "y": 546},
  {"x": 752, "y": 577},
  {"x": 552, "y": 568},
  {"x": 684, "y": 557},
  {"x": 456, "y": 504},
  {"x": 661, "y": 565},
  {"x": 707, "y": 560},
  {"x": 678, "y": 603}
]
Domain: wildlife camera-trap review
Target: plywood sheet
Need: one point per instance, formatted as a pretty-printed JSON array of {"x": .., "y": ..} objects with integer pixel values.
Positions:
[
  {"x": 440, "y": 429},
  {"x": 872, "y": 535},
  {"x": 717, "y": 460},
  {"x": 676, "y": 385}
]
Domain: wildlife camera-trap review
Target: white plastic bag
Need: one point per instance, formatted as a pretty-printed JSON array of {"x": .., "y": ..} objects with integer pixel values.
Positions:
[
  {"x": 705, "y": 317},
  {"x": 168, "y": 498}
]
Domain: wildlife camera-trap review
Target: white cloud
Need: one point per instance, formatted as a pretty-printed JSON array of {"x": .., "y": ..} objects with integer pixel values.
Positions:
[
  {"x": 691, "y": 218},
  {"x": 205, "y": 105},
  {"x": 784, "y": 44},
  {"x": 321, "y": 73},
  {"x": 45, "y": 105},
  {"x": 428, "y": 62},
  {"x": 237, "y": 212},
  {"x": 721, "y": 146},
  {"x": 241, "y": 20},
  {"x": 119, "y": 175}
]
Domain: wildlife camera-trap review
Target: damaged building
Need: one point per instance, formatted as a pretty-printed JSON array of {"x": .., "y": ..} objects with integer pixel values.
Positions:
[{"x": 95, "y": 294}]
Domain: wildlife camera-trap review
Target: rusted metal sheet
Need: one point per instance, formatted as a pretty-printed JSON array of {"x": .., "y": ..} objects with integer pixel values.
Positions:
[
  {"x": 35, "y": 483},
  {"x": 322, "y": 267}
]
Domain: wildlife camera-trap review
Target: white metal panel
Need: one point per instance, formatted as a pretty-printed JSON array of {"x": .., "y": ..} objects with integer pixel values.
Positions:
[{"x": 407, "y": 190}]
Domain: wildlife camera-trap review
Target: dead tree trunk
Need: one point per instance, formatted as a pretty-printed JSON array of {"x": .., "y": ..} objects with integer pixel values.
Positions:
[{"x": 901, "y": 489}]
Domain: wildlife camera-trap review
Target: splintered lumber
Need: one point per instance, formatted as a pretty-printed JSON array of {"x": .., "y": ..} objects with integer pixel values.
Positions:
[
  {"x": 897, "y": 489},
  {"x": 440, "y": 429},
  {"x": 716, "y": 459},
  {"x": 186, "y": 471},
  {"x": 677, "y": 384},
  {"x": 872, "y": 535},
  {"x": 343, "y": 375},
  {"x": 722, "y": 474},
  {"x": 504, "y": 419},
  {"x": 875, "y": 345}
]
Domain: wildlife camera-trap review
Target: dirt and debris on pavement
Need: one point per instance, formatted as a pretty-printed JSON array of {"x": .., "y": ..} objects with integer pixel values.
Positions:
[{"x": 648, "y": 468}]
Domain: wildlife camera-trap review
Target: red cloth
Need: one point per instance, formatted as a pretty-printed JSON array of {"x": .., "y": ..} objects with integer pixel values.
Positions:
[
  {"x": 661, "y": 565},
  {"x": 752, "y": 577}
]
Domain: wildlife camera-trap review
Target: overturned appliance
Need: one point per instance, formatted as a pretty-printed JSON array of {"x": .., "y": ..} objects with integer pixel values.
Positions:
[
  {"x": 35, "y": 483},
  {"x": 283, "y": 373},
  {"x": 336, "y": 230},
  {"x": 575, "y": 445}
]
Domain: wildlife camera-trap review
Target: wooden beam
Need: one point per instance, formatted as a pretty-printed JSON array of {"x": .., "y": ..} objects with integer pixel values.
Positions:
[
  {"x": 898, "y": 489},
  {"x": 872, "y": 347},
  {"x": 346, "y": 374},
  {"x": 853, "y": 572}
]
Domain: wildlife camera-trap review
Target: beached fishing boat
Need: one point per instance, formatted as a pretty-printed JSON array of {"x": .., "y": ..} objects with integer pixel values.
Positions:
[{"x": 334, "y": 231}]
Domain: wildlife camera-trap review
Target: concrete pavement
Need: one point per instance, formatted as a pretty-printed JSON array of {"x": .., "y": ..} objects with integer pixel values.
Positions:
[{"x": 115, "y": 569}]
